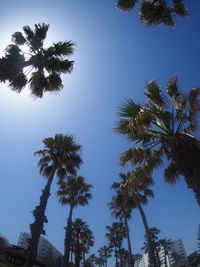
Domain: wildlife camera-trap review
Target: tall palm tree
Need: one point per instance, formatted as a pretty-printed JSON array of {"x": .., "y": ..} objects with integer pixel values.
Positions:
[
  {"x": 80, "y": 230},
  {"x": 156, "y": 12},
  {"x": 105, "y": 252},
  {"x": 162, "y": 126},
  {"x": 73, "y": 192},
  {"x": 59, "y": 157},
  {"x": 41, "y": 66},
  {"x": 115, "y": 235},
  {"x": 137, "y": 185},
  {"x": 121, "y": 207}
]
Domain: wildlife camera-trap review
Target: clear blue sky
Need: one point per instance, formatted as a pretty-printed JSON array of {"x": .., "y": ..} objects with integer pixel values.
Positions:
[{"x": 114, "y": 55}]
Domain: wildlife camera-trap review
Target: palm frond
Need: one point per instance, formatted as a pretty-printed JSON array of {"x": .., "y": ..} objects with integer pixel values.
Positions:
[
  {"x": 18, "y": 82},
  {"x": 18, "y": 38},
  {"x": 171, "y": 174},
  {"x": 129, "y": 109},
  {"x": 154, "y": 95},
  {"x": 134, "y": 155},
  {"x": 40, "y": 30},
  {"x": 194, "y": 102},
  {"x": 180, "y": 9},
  {"x": 156, "y": 12},
  {"x": 126, "y": 5}
]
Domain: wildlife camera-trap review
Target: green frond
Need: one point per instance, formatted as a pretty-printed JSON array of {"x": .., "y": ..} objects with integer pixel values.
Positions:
[
  {"x": 54, "y": 83},
  {"x": 171, "y": 174},
  {"x": 29, "y": 33},
  {"x": 129, "y": 109},
  {"x": 134, "y": 155},
  {"x": 38, "y": 83},
  {"x": 40, "y": 30},
  {"x": 61, "y": 173},
  {"x": 172, "y": 87},
  {"x": 18, "y": 38},
  {"x": 18, "y": 82},
  {"x": 63, "y": 48},
  {"x": 180, "y": 9},
  {"x": 154, "y": 94},
  {"x": 194, "y": 102},
  {"x": 126, "y": 5},
  {"x": 156, "y": 12}
]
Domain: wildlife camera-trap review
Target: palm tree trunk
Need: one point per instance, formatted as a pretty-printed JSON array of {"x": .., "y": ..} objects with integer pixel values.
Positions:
[
  {"x": 130, "y": 260},
  {"x": 116, "y": 256},
  {"x": 37, "y": 228},
  {"x": 67, "y": 241},
  {"x": 152, "y": 261}
]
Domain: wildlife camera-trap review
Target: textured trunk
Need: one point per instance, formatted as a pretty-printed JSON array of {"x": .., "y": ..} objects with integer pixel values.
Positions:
[
  {"x": 130, "y": 260},
  {"x": 77, "y": 254},
  {"x": 186, "y": 156},
  {"x": 116, "y": 256},
  {"x": 152, "y": 261},
  {"x": 68, "y": 233},
  {"x": 37, "y": 228}
]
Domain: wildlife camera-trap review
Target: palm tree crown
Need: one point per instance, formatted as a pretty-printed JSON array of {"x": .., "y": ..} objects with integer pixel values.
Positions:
[
  {"x": 162, "y": 127},
  {"x": 155, "y": 12},
  {"x": 60, "y": 152},
  {"x": 74, "y": 191},
  {"x": 41, "y": 66}
]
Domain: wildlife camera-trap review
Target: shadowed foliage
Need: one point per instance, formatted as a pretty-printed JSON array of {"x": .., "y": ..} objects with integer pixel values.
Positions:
[
  {"x": 156, "y": 12},
  {"x": 40, "y": 67},
  {"x": 162, "y": 127},
  {"x": 73, "y": 192},
  {"x": 60, "y": 156},
  {"x": 135, "y": 186}
]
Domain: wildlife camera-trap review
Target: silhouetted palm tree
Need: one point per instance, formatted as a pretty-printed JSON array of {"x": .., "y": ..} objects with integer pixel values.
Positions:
[
  {"x": 121, "y": 207},
  {"x": 43, "y": 64},
  {"x": 162, "y": 127},
  {"x": 115, "y": 235},
  {"x": 137, "y": 186},
  {"x": 73, "y": 192},
  {"x": 59, "y": 156},
  {"x": 80, "y": 230},
  {"x": 155, "y": 12},
  {"x": 105, "y": 252}
]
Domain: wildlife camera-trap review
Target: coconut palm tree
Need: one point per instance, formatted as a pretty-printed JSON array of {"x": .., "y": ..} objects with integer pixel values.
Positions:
[
  {"x": 162, "y": 127},
  {"x": 73, "y": 192},
  {"x": 41, "y": 66},
  {"x": 115, "y": 235},
  {"x": 156, "y": 12},
  {"x": 59, "y": 157},
  {"x": 121, "y": 207},
  {"x": 137, "y": 185},
  {"x": 105, "y": 252}
]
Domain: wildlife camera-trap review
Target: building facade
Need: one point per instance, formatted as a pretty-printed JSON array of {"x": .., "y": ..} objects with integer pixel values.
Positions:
[
  {"x": 46, "y": 253},
  {"x": 176, "y": 247}
]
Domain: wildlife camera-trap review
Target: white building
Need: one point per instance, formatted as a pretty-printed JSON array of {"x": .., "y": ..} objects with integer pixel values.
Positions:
[
  {"x": 46, "y": 251},
  {"x": 176, "y": 246}
]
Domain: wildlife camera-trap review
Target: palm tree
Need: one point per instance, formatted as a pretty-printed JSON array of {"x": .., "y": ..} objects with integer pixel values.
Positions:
[
  {"x": 91, "y": 259},
  {"x": 105, "y": 252},
  {"x": 155, "y": 12},
  {"x": 115, "y": 235},
  {"x": 73, "y": 192},
  {"x": 59, "y": 156},
  {"x": 121, "y": 207},
  {"x": 137, "y": 185},
  {"x": 80, "y": 229},
  {"x": 40, "y": 67},
  {"x": 162, "y": 127}
]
